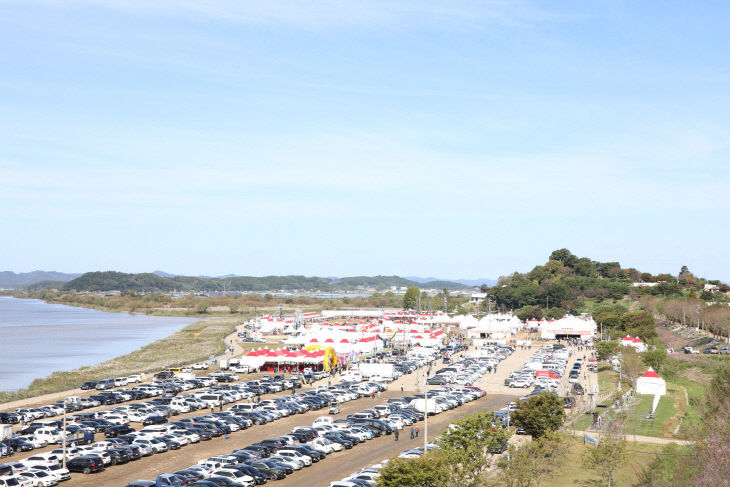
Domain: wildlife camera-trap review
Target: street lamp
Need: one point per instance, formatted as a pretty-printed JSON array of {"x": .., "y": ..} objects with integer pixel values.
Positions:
[
  {"x": 425, "y": 416},
  {"x": 63, "y": 434}
]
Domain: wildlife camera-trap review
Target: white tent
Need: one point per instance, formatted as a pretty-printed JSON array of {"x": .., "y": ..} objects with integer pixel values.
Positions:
[
  {"x": 651, "y": 383},
  {"x": 583, "y": 328}
]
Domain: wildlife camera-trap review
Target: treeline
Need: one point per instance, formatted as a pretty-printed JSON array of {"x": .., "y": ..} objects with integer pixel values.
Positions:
[
  {"x": 190, "y": 304},
  {"x": 566, "y": 281},
  {"x": 150, "y": 282},
  {"x": 691, "y": 311}
]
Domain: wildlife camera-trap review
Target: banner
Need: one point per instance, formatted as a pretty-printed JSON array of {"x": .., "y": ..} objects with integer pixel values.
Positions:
[{"x": 589, "y": 439}]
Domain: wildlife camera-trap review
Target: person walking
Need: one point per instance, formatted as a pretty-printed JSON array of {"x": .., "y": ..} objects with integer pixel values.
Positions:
[
  {"x": 396, "y": 435},
  {"x": 212, "y": 408},
  {"x": 220, "y": 407},
  {"x": 401, "y": 387},
  {"x": 372, "y": 395},
  {"x": 413, "y": 433}
]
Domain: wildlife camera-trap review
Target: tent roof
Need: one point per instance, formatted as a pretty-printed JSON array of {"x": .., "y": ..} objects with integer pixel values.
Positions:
[{"x": 650, "y": 373}]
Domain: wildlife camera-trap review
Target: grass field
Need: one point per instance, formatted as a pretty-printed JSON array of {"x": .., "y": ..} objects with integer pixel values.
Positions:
[
  {"x": 193, "y": 343},
  {"x": 574, "y": 474}
]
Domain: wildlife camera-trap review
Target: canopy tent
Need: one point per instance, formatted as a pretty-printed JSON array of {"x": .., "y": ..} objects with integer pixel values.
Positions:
[
  {"x": 583, "y": 328},
  {"x": 651, "y": 383}
]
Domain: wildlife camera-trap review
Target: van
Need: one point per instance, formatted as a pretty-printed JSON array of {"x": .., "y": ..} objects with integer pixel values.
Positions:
[
  {"x": 48, "y": 434},
  {"x": 211, "y": 400},
  {"x": 323, "y": 421},
  {"x": 105, "y": 384},
  {"x": 179, "y": 405}
]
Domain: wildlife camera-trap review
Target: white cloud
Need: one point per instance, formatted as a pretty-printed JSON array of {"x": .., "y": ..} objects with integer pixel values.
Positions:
[{"x": 318, "y": 14}]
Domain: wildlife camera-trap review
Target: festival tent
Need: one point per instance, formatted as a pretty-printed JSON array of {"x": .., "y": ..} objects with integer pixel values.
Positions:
[
  {"x": 583, "y": 328},
  {"x": 651, "y": 383}
]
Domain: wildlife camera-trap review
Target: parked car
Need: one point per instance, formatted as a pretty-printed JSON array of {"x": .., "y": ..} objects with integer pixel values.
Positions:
[
  {"x": 85, "y": 464},
  {"x": 89, "y": 384}
]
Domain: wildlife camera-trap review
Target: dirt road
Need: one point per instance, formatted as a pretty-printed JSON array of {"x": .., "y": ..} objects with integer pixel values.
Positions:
[{"x": 336, "y": 466}]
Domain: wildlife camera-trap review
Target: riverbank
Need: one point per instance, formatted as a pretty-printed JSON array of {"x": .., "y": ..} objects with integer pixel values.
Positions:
[{"x": 193, "y": 343}]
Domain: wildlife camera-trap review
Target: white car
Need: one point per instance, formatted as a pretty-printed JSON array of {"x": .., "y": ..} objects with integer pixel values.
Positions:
[
  {"x": 60, "y": 474},
  {"x": 134, "y": 379}
]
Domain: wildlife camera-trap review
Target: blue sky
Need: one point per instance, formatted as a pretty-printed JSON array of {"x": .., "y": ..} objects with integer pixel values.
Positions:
[{"x": 456, "y": 139}]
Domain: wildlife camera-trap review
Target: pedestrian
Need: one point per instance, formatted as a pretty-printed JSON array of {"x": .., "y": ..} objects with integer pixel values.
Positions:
[
  {"x": 378, "y": 393},
  {"x": 413, "y": 433},
  {"x": 416, "y": 431},
  {"x": 401, "y": 387},
  {"x": 220, "y": 407},
  {"x": 372, "y": 395},
  {"x": 293, "y": 389},
  {"x": 396, "y": 435},
  {"x": 212, "y": 408}
]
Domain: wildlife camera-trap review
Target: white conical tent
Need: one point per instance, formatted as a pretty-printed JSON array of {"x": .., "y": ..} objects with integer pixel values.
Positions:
[{"x": 651, "y": 383}]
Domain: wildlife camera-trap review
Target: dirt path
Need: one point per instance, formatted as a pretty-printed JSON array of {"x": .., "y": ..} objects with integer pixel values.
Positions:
[{"x": 636, "y": 438}]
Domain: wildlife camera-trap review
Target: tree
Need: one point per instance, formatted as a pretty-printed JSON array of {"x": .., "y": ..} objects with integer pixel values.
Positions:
[
  {"x": 532, "y": 463},
  {"x": 429, "y": 470},
  {"x": 464, "y": 447},
  {"x": 484, "y": 288},
  {"x": 639, "y": 323},
  {"x": 540, "y": 414},
  {"x": 529, "y": 312},
  {"x": 410, "y": 299},
  {"x": 605, "y": 350},
  {"x": 608, "y": 456},
  {"x": 656, "y": 358},
  {"x": 631, "y": 363}
]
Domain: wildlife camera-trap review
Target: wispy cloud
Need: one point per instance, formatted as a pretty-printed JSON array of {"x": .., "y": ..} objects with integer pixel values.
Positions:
[{"x": 323, "y": 13}]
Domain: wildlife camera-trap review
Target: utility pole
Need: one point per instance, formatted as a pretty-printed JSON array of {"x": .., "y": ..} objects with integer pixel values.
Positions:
[
  {"x": 63, "y": 436},
  {"x": 425, "y": 416}
]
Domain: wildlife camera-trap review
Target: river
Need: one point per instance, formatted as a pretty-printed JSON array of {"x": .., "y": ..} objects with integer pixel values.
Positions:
[{"x": 37, "y": 338}]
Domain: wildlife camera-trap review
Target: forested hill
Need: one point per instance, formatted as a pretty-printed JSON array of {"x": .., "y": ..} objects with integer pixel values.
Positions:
[
  {"x": 11, "y": 280},
  {"x": 566, "y": 282},
  {"x": 150, "y": 282}
]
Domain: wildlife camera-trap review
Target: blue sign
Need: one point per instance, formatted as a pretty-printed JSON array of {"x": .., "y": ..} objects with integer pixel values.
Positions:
[{"x": 589, "y": 439}]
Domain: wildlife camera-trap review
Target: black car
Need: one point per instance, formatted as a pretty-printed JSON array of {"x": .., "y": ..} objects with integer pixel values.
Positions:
[
  {"x": 119, "y": 456},
  {"x": 91, "y": 384},
  {"x": 153, "y": 420},
  {"x": 271, "y": 470},
  {"x": 85, "y": 464},
  {"x": 258, "y": 476},
  {"x": 9, "y": 418},
  {"x": 18, "y": 444},
  {"x": 119, "y": 430}
]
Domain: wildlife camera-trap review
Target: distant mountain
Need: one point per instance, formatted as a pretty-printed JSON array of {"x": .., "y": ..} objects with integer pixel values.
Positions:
[
  {"x": 465, "y": 282},
  {"x": 109, "y": 280},
  {"x": 163, "y": 274},
  {"x": 11, "y": 280}
]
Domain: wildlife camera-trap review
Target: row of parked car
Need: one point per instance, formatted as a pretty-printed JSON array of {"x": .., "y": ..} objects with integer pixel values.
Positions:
[
  {"x": 397, "y": 414},
  {"x": 468, "y": 371}
]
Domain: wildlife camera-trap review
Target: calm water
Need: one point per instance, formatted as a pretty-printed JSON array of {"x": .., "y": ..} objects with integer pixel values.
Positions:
[{"x": 37, "y": 338}]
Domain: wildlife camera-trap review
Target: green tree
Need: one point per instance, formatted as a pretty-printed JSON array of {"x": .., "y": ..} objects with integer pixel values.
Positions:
[
  {"x": 410, "y": 299},
  {"x": 639, "y": 323},
  {"x": 529, "y": 312},
  {"x": 604, "y": 350},
  {"x": 540, "y": 414},
  {"x": 607, "y": 457},
  {"x": 656, "y": 358},
  {"x": 464, "y": 447},
  {"x": 429, "y": 470},
  {"x": 202, "y": 307}
]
